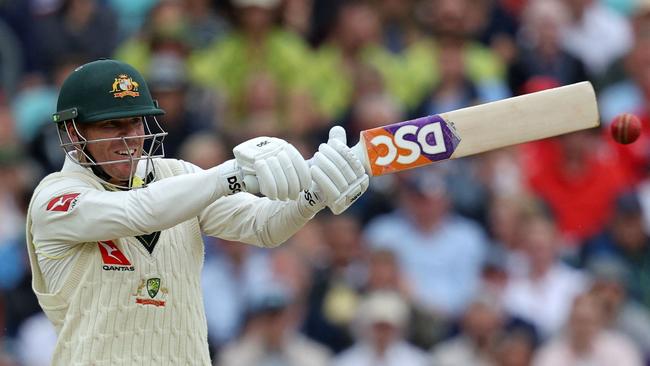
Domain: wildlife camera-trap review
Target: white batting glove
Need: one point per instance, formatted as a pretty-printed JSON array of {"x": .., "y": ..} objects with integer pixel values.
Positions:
[
  {"x": 272, "y": 167},
  {"x": 338, "y": 175}
]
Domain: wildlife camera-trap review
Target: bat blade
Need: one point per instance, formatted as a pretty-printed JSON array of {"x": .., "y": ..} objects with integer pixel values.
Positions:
[{"x": 473, "y": 130}]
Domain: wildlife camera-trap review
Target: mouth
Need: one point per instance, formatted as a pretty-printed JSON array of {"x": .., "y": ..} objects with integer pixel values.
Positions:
[{"x": 128, "y": 153}]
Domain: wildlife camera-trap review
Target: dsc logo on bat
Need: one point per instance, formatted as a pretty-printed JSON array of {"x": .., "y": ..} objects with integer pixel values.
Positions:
[{"x": 409, "y": 144}]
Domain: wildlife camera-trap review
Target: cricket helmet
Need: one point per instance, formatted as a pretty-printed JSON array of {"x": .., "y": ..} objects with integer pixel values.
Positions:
[
  {"x": 107, "y": 90},
  {"x": 103, "y": 90}
]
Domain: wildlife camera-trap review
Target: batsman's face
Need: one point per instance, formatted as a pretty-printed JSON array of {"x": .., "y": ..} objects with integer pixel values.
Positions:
[{"x": 129, "y": 144}]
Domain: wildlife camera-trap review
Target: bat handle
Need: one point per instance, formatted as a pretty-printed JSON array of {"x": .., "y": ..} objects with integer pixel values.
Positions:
[
  {"x": 251, "y": 184},
  {"x": 359, "y": 151}
]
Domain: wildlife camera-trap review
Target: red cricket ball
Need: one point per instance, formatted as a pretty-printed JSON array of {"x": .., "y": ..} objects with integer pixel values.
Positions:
[{"x": 626, "y": 128}]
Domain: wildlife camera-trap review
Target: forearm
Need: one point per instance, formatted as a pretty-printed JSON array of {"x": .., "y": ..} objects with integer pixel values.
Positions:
[{"x": 259, "y": 221}]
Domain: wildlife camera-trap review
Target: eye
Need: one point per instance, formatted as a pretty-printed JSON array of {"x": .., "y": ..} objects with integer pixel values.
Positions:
[{"x": 109, "y": 125}]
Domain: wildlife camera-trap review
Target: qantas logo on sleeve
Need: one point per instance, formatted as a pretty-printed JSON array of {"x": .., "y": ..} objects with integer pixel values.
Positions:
[
  {"x": 63, "y": 203},
  {"x": 113, "y": 258}
]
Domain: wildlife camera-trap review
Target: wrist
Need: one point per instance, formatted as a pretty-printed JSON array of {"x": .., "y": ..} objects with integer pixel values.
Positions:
[
  {"x": 229, "y": 178},
  {"x": 309, "y": 203}
]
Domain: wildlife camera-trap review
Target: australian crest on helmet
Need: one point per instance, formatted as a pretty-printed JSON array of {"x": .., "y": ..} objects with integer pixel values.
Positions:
[{"x": 125, "y": 86}]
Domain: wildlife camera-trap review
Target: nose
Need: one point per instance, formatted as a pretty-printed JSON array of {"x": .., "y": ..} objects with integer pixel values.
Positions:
[{"x": 131, "y": 129}]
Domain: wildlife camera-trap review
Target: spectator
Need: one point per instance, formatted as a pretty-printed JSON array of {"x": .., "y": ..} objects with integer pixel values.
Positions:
[
  {"x": 309, "y": 246},
  {"x": 372, "y": 106},
  {"x": 494, "y": 25},
  {"x": 541, "y": 52},
  {"x": 440, "y": 252},
  {"x": 544, "y": 294},
  {"x": 448, "y": 21},
  {"x": 596, "y": 35},
  {"x": 33, "y": 108},
  {"x": 36, "y": 333},
  {"x": 381, "y": 319},
  {"x": 625, "y": 239},
  {"x": 296, "y": 16},
  {"x": 505, "y": 215},
  {"x": 14, "y": 177},
  {"x": 77, "y": 27},
  {"x": 621, "y": 313},
  {"x": 480, "y": 329},
  {"x": 205, "y": 24},
  {"x": 203, "y": 150},
  {"x": 12, "y": 61},
  {"x": 385, "y": 274},
  {"x": 17, "y": 300},
  {"x": 626, "y": 84},
  {"x": 270, "y": 337},
  {"x": 579, "y": 186},
  {"x": 515, "y": 348},
  {"x": 166, "y": 31},
  {"x": 630, "y": 94},
  {"x": 342, "y": 60},
  {"x": 453, "y": 90},
  {"x": 586, "y": 342},
  {"x": 333, "y": 296},
  {"x": 187, "y": 109},
  {"x": 131, "y": 15},
  {"x": 227, "y": 279},
  {"x": 399, "y": 30},
  {"x": 257, "y": 62}
]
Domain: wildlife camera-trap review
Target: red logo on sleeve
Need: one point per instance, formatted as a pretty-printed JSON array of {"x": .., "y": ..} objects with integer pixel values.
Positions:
[
  {"x": 63, "y": 203},
  {"x": 111, "y": 254}
]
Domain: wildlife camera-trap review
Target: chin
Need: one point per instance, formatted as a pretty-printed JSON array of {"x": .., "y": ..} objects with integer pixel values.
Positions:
[{"x": 122, "y": 173}]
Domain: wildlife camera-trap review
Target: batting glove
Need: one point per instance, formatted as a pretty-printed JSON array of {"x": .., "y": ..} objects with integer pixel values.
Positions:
[
  {"x": 337, "y": 174},
  {"x": 272, "y": 167}
]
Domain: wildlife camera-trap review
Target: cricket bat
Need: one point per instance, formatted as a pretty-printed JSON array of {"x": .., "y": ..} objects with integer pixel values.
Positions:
[
  {"x": 473, "y": 130},
  {"x": 410, "y": 144}
]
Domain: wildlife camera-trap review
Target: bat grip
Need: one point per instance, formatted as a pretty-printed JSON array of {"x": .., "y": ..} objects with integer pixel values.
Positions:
[
  {"x": 360, "y": 152},
  {"x": 251, "y": 183}
]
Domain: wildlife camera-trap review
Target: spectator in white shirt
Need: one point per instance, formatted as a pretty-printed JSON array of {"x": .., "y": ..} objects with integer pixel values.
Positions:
[
  {"x": 381, "y": 320},
  {"x": 597, "y": 35},
  {"x": 543, "y": 295},
  {"x": 586, "y": 342}
]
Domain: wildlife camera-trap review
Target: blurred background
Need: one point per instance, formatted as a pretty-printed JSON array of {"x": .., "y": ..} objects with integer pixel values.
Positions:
[{"x": 537, "y": 254}]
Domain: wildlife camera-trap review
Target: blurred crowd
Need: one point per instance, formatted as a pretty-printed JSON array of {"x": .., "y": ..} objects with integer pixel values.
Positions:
[{"x": 537, "y": 254}]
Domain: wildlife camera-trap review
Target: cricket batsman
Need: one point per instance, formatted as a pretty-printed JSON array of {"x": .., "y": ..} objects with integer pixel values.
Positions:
[{"x": 114, "y": 238}]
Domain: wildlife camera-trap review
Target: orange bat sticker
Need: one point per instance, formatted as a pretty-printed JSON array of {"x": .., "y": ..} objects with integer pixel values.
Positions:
[{"x": 409, "y": 144}]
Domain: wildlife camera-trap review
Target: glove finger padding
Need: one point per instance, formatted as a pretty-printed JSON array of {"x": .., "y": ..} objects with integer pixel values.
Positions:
[
  {"x": 348, "y": 155},
  {"x": 326, "y": 187},
  {"x": 281, "y": 184},
  {"x": 293, "y": 182},
  {"x": 331, "y": 170},
  {"x": 266, "y": 180},
  {"x": 339, "y": 161},
  {"x": 300, "y": 165}
]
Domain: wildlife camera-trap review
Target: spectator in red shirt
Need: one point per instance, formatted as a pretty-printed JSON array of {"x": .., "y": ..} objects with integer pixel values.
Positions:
[{"x": 579, "y": 179}]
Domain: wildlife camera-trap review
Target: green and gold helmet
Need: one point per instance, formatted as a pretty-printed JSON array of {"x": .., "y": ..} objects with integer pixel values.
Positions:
[
  {"x": 103, "y": 90},
  {"x": 107, "y": 90}
]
